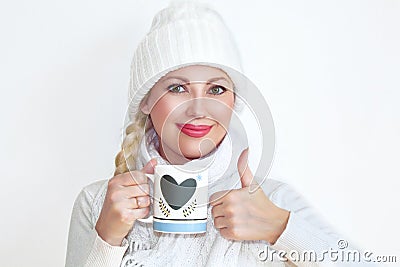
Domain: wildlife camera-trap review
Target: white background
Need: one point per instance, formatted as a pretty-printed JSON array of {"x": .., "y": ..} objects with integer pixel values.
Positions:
[{"x": 328, "y": 69}]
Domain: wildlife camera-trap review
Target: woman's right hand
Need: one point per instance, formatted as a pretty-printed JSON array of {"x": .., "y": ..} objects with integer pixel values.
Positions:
[{"x": 126, "y": 200}]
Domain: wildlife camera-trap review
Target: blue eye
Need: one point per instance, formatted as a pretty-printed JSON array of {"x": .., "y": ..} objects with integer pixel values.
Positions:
[
  {"x": 176, "y": 88},
  {"x": 217, "y": 90}
]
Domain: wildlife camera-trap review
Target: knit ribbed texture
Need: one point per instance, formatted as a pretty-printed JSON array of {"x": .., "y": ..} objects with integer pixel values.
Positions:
[
  {"x": 301, "y": 236},
  {"x": 104, "y": 254}
]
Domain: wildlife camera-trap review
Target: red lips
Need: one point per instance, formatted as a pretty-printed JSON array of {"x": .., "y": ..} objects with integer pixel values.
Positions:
[{"x": 196, "y": 131}]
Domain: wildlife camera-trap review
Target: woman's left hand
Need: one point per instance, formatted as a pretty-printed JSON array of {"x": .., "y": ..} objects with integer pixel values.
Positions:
[{"x": 245, "y": 214}]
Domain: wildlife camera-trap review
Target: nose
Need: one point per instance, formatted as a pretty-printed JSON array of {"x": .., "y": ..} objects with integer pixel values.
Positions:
[{"x": 195, "y": 107}]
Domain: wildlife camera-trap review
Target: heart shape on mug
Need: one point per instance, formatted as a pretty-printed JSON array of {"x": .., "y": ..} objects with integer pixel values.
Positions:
[{"x": 177, "y": 195}]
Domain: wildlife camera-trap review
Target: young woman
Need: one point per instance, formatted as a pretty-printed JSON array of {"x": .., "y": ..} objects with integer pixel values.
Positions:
[{"x": 185, "y": 91}]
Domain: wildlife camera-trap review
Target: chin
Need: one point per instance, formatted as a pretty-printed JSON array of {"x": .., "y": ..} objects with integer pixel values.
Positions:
[{"x": 195, "y": 149}]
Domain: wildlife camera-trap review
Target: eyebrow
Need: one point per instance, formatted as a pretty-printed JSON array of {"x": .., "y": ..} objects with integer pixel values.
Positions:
[
  {"x": 174, "y": 77},
  {"x": 186, "y": 80}
]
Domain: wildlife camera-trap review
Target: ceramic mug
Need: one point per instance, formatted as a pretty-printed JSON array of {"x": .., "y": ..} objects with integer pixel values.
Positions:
[{"x": 180, "y": 197}]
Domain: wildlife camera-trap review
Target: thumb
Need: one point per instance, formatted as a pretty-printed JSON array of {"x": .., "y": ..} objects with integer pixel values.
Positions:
[
  {"x": 243, "y": 168},
  {"x": 149, "y": 167}
]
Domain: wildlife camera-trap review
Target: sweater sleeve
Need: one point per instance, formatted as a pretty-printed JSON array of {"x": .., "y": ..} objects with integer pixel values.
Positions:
[
  {"x": 85, "y": 247},
  {"x": 308, "y": 232}
]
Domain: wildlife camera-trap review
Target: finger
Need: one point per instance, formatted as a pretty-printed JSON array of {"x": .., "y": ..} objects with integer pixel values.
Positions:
[
  {"x": 132, "y": 203},
  {"x": 149, "y": 167},
  {"x": 129, "y": 179},
  {"x": 246, "y": 177},
  {"x": 143, "y": 201},
  {"x": 136, "y": 178},
  {"x": 136, "y": 190},
  {"x": 220, "y": 222},
  {"x": 227, "y": 233},
  {"x": 139, "y": 213},
  {"x": 217, "y": 197},
  {"x": 217, "y": 211},
  {"x": 243, "y": 168}
]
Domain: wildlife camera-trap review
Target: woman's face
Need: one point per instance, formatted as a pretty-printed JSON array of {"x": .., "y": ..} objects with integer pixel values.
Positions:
[{"x": 190, "y": 109}]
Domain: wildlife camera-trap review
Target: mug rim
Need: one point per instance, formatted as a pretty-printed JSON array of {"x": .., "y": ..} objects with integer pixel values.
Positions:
[{"x": 182, "y": 168}]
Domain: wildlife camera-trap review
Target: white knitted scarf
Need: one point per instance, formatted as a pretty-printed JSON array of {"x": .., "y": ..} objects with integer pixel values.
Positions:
[{"x": 149, "y": 248}]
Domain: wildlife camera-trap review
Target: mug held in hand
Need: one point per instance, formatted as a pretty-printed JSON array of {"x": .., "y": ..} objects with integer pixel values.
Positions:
[{"x": 179, "y": 200}]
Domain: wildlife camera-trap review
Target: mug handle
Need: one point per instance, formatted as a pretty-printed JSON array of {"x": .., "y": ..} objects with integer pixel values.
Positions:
[{"x": 150, "y": 218}]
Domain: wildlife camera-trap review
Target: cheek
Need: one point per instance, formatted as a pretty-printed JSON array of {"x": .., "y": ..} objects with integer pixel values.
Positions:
[
  {"x": 162, "y": 111},
  {"x": 223, "y": 111}
]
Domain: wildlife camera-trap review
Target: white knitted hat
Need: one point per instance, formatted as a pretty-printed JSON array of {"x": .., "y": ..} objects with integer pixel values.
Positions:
[{"x": 185, "y": 33}]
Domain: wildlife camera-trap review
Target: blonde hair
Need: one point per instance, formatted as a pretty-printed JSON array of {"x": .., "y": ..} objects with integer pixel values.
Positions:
[{"x": 126, "y": 158}]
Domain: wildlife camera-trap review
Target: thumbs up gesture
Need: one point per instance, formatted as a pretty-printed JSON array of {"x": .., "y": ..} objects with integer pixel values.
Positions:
[{"x": 247, "y": 213}]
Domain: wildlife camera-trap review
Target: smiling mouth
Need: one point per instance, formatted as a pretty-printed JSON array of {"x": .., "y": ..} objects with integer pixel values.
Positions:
[{"x": 195, "y": 131}]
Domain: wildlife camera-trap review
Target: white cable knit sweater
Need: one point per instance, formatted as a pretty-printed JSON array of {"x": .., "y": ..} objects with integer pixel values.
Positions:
[{"x": 143, "y": 247}]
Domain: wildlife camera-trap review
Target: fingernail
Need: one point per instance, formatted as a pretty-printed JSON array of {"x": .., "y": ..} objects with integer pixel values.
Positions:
[{"x": 151, "y": 162}]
